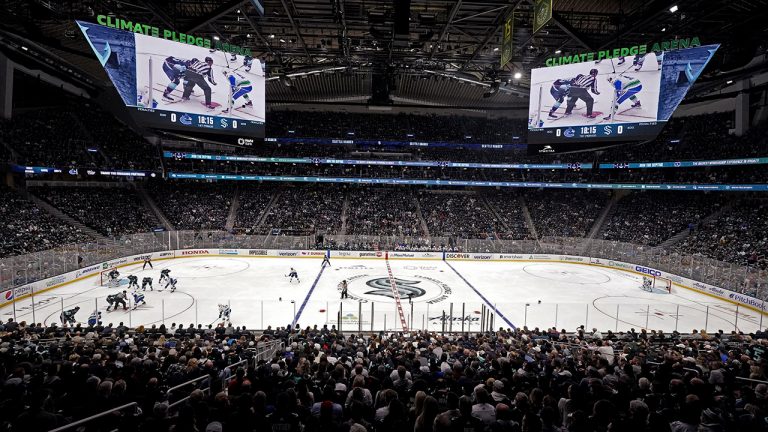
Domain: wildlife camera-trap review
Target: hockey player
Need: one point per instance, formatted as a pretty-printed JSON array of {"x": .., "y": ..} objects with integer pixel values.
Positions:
[
  {"x": 639, "y": 60},
  {"x": 224, "y": 312},
  {"x": 626, "y": 88},
  {"x": 133, "y": 281},
  {"x": 68, "y": 316},
  {"x": 196, "y": 73},
  {"x": 147, "y": 262},
  {"x": 578, "y": 90},
  {"x": 113, "y": 275},
  {"x": 94, "y": 319},
  {"x": 240, "y": 87},
  {"x": 164, "y": 275},
  {"x": 247, "y": 62},
  {"x": 138, "y": 298},
  {"x": 171, "y": 283},
  {"x": 116, "y": 299},
  {"x": 344, "y": 286},
  {"x": 146, "y": 282},
  {"x": 293, "y": 274},
  {"x": 326, "y": 260},
  {"x": 647, "y": 284},
  {"x": 174, "y": 68},
  {"x": 559, "y": 91}
]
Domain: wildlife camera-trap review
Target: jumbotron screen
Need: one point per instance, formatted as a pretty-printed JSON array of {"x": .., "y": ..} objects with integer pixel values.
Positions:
[
  {"x": 618, "y": 99},
  {"x": 183, "y": 87}
]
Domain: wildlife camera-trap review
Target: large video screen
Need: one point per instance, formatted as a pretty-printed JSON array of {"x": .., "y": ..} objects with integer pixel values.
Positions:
[
  {"x": 619, "y": 99},
  {"x": 177, "y": 86}
]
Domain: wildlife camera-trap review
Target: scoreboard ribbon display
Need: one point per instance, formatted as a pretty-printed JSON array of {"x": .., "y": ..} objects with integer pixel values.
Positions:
[{"x": 612, "y": 100}]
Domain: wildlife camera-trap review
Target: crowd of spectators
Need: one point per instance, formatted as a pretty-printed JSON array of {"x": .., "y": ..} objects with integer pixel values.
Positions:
[
  {"x": 121, "y": 146},
  {"x": 561, "y": 213},
  {"x": 194, "y": 205},
  {"x": 509, "y": 208},
  {"x": 458, "y": 215},
  {"x": 111, "y": 211},
  {"x": 325, "y": 380},
  {"x": 253, "y": 202},
  {"x": 26, "y": 228},
  {"x": 385, "y": 212},
  {"x": 306, "y": 210},
  {"x": 651, "y": 217},
  {"x": 738, "y": 236}
]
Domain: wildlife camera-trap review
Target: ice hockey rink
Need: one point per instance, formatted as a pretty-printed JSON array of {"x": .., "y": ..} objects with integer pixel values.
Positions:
[{"x": 536, "y": 294}]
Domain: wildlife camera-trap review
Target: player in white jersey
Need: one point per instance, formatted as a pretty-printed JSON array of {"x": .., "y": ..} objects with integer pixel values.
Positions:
[
  {"x": 138, "y": 298},
  {"x": 172, "y": 284},
  {"x": 293, "y": 274},
  {"x": 647, "y": 284},
  {"x": 240, "y": 87},
  {"x": 95, "y": 318},
  {"x": 224, "y": 312},
  {"x": 626, "y": 87},
  {"x": 165, "y": 274}
]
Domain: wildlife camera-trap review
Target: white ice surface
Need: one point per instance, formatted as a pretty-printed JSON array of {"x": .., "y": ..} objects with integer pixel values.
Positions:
[{"x": 260, "y": 295}]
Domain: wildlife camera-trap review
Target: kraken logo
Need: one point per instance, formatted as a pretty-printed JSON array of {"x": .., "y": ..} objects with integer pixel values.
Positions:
[{"x": 405, "y": 288}]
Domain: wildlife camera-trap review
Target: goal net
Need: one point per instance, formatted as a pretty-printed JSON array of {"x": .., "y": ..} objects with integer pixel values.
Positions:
[
  {"x": 662, "y": 284},
  {"x": 105, "y": 281}
]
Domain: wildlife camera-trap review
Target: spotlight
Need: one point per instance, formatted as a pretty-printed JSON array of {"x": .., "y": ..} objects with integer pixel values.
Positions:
[
  {"x": 518, "y": 75},
  {"x": 215, "y": 38},
  {"x": 729, "y": 82},
  {"x": 673, "y": 9},
  {"x": 558, "y": 51}
]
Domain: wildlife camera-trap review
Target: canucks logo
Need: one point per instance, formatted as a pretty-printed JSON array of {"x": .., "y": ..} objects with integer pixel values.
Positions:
[
  {"x": 186, "y": 120},
  {"x": 569, "y": 133},
  {"x": 405, "y": 288}
]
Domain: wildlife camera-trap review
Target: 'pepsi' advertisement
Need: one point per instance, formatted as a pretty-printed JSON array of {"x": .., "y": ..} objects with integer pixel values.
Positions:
[{"x": 612, "y": 100}]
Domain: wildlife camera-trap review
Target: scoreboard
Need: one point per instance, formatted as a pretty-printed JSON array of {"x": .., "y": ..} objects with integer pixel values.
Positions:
[{"x": 611, "y": 100}]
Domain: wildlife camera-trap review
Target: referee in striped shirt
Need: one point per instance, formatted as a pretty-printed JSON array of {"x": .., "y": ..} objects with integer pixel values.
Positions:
[
  {"x": 195, "y": 74},
  {"x": 578, "y": 90}
]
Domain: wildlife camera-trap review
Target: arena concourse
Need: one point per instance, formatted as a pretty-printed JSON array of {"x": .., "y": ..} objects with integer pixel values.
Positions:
[{"x": 353, "y": 219}]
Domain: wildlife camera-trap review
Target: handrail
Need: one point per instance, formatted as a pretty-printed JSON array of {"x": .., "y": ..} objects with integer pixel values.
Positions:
[
  {"x": 752, "y": 380},
  {"x": 93, "y": 417},
  {"x": 200, "y": 378}
]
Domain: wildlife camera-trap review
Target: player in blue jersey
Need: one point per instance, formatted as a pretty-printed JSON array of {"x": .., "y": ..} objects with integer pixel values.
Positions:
[
  {"x": 95, "y": 318},
  {"x": 165, "y": 275},
  {"x": 138, "y": 298},
  {"x": 626, "y": 87},
  {"x": 174, "y": 68},
  {"x": 293, "y": 274},
  {"x": 559, "y": 91}
]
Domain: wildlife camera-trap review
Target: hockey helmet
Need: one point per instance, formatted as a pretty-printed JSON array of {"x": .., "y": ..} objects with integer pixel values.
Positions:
[
  {"x": 209, "y": 60},
  {"x": 593, "y": 72}
]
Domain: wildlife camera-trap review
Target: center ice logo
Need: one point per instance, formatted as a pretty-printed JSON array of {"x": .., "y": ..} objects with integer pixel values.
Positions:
[{"x": 405, "y": 288}]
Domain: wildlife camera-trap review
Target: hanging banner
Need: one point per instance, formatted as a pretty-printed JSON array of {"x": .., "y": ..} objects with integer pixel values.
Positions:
[
  {"x": 542, "y": 13},
  {"x": 506, "y": 40}
]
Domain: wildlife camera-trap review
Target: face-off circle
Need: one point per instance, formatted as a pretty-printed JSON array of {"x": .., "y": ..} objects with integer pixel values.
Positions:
[{"x": 378, "y": 288}]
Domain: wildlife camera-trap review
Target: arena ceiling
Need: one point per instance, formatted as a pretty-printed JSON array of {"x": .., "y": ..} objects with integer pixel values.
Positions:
[{"x": 326, "y": 50}]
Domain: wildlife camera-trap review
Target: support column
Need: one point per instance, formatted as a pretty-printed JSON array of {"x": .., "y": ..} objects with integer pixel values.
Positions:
[
  {"x": 742, "y": 123},
  {"x": 6, "y": 87}
]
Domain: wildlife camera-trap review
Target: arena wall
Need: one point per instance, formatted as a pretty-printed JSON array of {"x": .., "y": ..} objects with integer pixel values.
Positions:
[{"x": 11, "y": 295}]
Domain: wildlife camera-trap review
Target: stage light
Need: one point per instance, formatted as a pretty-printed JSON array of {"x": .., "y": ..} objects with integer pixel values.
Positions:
[
  {"x": 729, "y": 82},
  {"x": 495, "y": 49},
  {"x": 558, "y": 51},
  {"x": 673, "y": 9},
  {"x": 215, "y": 38},
  {"x": 518, "y": 75}
]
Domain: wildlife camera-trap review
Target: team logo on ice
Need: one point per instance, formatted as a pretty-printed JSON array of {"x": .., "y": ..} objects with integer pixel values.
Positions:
[
  {"x": 383, "y": 287},
  {"x": 377, "y": 288}
]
